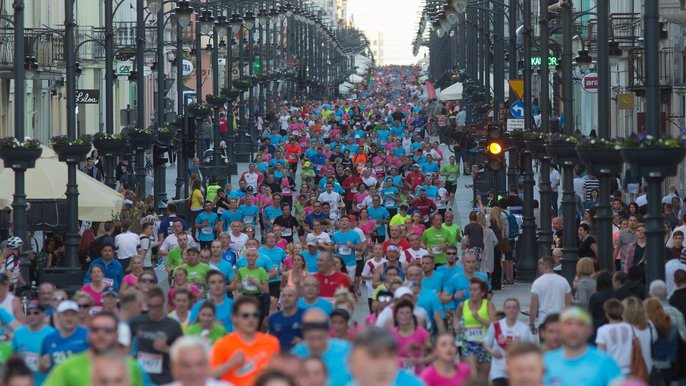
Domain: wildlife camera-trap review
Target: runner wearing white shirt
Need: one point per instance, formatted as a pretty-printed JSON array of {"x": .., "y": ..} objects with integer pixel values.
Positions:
[
  {"x": 502, "y": 334},
  {"x": 330, "y": 197},
  {"x": 238, "y": 238},
  {"x": 415, "y": 252}
]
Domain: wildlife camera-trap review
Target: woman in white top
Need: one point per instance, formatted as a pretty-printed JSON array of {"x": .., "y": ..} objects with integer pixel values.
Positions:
[
  {"x": 502, "y": 334},
  {"x": 635, "y": 314},
  {"x": 615, "y": 337}
]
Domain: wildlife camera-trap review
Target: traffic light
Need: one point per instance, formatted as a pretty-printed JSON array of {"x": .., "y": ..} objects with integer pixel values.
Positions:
[
  {"x": 495, "y": 148},
  {"x": 158, "y": 153}
]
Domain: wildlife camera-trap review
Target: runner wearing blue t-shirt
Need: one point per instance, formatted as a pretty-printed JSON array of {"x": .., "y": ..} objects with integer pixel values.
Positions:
[
  {"x": 28, "y": 339},
  {"x": 310, "y": 297},
  {"x": 68, "y": 340},
  {"x": 577, "y": 363},
  {"x": 205, "y": 222},
  {"x": 346, "y": 242},
  {"x": 216, "y": 293}
]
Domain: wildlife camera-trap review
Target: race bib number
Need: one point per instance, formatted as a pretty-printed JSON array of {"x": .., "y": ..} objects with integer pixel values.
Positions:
[
  {"x": 474, "y": 334},
  {"x": 108, "y": 282},
  {"x": 426, "y": 218},
  {"x": 151, "y": 363},
  {"x": 206, "y": 230},
  {"x": 287, "y": 232},
  {"x": 379, "y": 168},
  {"x": 220, "y": 211},
  {"x": 286, "y": 190},
  {"x": 437, "y": 250},
  {"x": 247, "y": 219},
  {"x": 353, "y": 190},
  {"x": 451, "y": 178},
  {"x": 344, "y": 250},
  {"x": 31, "y": 360},
  {"x": 389, "y": 203},
  {"x": 292, "y": 157},
  {"x": 249, "y": 286}
]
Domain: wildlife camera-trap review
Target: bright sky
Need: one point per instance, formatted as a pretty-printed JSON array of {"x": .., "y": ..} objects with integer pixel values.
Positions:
[{"x": 396, "y": 19}]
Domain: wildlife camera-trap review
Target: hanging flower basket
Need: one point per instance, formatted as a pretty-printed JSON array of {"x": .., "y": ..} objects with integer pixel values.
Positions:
[
  {"x": 516, "y": 139},
  {"x": 20, "y": 157},
  {"x": 562, "y": 152},
  {"x": 109, "y": 147},
  {"x": 242, "y": 84},
  {"x": 215, "y": 101},
  {"x": 656, "y": 162},
  {"x": 165, "y": 134},
  {"x": 141, "y": 139},
  {"x": 601, "y": 161},
  {"x": 231, "y": 93},
  {"x": 200, "y": 110},
  {"x": 73, "y": 153},
  {"x": 536, "y": 148}
]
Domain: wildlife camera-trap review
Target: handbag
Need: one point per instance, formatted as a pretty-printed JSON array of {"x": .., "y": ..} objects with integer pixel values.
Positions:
[
  {"x": 505, "y": 245},
  {"x": 639, "y": 369}
]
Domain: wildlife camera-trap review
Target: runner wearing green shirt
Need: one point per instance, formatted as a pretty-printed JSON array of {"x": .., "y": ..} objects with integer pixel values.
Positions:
[
  {"x": 207, "y": 326},
  {"x": 252, "y": 280},
  {"x": 175, "y": 256},
  {"x": 401, "y": 217},
  {"x": 436, "y": 239},
  {"x": 197, "y": 271},
  {"x": 451, "y": 172},
  {"x": 454, "y": 229}
]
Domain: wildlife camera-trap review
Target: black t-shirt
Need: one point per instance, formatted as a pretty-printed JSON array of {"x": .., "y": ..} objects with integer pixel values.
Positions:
[
  {"x": 475, "y": 233},
  {"x": 585, "y": 248},
  {"x": 153, "y": 362},
  {"x": 289, "y": 224}
]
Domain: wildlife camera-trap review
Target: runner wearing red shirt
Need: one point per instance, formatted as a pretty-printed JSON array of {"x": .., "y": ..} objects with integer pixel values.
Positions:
[
  {"x": 293, "y": 151},
  {"x": 329, "y": 279},
  {"x": 415, "y": 177},
  {"x": 395, "y": 239},
  {"x": 425, "y": 205}
]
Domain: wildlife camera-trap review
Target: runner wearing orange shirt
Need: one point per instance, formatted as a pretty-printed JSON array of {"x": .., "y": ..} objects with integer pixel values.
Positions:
[
  {"x": 293, "y": 151},
  {"x": 241, "y": 356}
]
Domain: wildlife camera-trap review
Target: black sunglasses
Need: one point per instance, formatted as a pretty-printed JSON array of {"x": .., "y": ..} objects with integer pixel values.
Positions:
[
  {"x": 106, "y": 330},
  {"x": 84, "y": 306},
  {"x": 246, "y": 315}
]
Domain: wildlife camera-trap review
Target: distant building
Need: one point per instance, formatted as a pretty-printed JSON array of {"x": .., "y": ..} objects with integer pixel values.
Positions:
[{"x": 376, "y": 44}]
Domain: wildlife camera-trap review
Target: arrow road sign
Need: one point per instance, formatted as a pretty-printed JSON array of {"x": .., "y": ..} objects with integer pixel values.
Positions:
[{"x": 517, "y": 109}]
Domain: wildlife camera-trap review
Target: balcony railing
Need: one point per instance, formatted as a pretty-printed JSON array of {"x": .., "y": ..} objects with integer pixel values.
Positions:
[
  {"x": 637, "y": 67},
  {"x": 44, "y": 44}
]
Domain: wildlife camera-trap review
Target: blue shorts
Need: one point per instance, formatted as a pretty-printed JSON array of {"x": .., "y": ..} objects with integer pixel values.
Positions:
[{"x": 475, "y": 349}]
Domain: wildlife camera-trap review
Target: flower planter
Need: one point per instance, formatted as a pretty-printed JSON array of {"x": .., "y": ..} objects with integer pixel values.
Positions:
[
  {"x": 199, "y": 113},
  {"x": 517, "y": 141},
  {"x": 601, "y": 161},
  {"x": 166, "y": 136},
  {"x": 141, "y": 142},
  {"x": 215, "y": 101},
  {"x": 20, "y": 157},
  {"x": 536, "y": 148},
  {"x": 562, "y": 152},
  {"x": 71, "y": 153},
  {"x": 231, "y": 94},
  {"x": 656, "y": 162},
  {"x": 109, "y": 147}
]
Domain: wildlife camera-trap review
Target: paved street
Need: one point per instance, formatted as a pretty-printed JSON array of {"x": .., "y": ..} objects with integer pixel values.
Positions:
[{"x": 462, "y": 207}]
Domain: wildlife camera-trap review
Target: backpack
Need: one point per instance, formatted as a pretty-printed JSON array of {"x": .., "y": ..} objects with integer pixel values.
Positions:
[{"x": 512, "y": 225}]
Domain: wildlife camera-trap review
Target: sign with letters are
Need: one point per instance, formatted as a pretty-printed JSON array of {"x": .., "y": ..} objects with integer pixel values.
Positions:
[{"x": 85, "y": 97}]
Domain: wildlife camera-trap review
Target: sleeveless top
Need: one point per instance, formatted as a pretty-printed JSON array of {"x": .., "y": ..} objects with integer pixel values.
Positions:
[
  {"x": 385, "y": 268},
  {"x": 474, "y": 331},
  {"x": 291, "y": 284}
]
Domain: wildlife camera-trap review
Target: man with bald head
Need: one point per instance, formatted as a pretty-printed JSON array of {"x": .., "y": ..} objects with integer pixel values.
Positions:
[
  {"x": 286, "y": 325},
  {"x": 334, "y": 352},
  {"x": 311, "y": 299}
]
